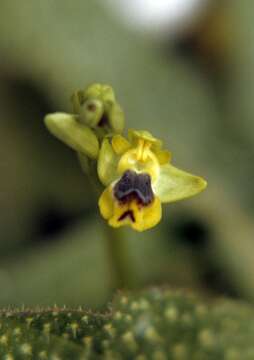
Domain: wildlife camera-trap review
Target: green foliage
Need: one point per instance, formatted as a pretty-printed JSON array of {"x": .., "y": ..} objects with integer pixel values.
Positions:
[
  {"x": 67, "y": 47},
  {"x": 48, "y": 334},
  {"x": 154, "y": 324}
]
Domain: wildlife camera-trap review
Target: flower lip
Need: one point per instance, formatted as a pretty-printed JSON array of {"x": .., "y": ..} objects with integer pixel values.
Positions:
[{"x": 134, "y": 187}]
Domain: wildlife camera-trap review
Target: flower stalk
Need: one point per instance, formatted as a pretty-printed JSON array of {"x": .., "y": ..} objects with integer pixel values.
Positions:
[{"x": 118, "y": 253}]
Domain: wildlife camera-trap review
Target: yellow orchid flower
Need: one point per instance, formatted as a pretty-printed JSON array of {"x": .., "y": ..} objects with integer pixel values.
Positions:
[{"x": 139, "y": 177}]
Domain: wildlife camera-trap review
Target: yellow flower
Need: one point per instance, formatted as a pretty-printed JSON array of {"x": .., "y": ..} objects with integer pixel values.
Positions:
[{"x": 138, "y": 178}]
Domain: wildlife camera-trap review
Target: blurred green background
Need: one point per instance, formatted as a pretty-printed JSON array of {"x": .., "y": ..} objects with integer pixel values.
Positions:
[{"x": 194, "y": 90}]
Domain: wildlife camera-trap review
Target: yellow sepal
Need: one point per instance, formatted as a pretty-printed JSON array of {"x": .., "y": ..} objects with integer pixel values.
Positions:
[{"x": 174, "y": 184}]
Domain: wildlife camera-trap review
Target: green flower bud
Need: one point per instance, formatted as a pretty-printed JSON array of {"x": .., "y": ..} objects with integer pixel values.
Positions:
[
  {"x": 116, "y": 118},
  {"x": 100, "y": 91},
  {"x": 78, "y": 136},
  {"x": 77, "y": 100},
  {"x": 97, "y": 108},
  {"x": 91, "y": 112}
]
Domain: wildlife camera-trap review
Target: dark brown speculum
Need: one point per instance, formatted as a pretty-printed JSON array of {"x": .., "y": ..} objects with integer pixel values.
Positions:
[
  {"x": 133, "y": 186},
  {"x": 128, "y": 213}
]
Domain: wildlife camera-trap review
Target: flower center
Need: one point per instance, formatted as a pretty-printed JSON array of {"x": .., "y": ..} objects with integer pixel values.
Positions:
[{"x": 141, "y": 159}]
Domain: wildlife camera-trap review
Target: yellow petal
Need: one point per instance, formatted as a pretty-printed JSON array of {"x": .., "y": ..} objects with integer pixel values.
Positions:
[
  {"x": 135, "y": 135},
  {"x": 174, "y": 184},
  {"x": 106, "y": 203},
  {"x": 120, "y": 144},
  {"x": 163, "y": 156}
]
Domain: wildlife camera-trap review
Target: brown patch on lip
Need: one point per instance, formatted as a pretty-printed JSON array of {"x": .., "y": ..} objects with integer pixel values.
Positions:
[
  {"x": 128, "y": 213},
  {"x": 133, "y": 186}
]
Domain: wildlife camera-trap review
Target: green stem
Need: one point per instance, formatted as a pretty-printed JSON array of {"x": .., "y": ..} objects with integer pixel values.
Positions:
[
  {"x": 118, "y": 251},
  {"x": 89, "y": 169}
]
